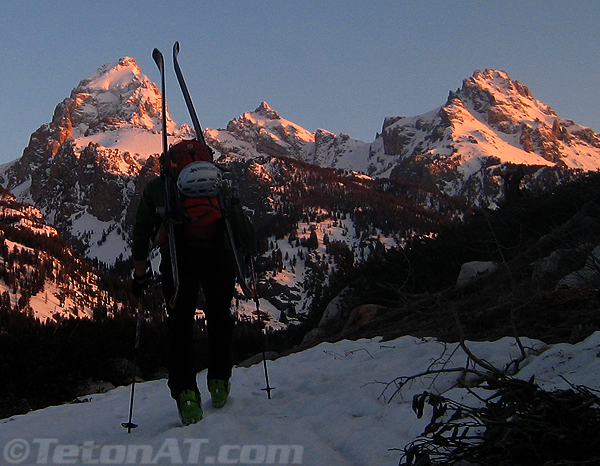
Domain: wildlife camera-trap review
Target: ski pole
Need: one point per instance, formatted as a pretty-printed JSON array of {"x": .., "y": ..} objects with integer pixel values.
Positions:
[
  {"x": 248, "y": 292},
  {"x": 268, "y": 388},
  {"x": 130, "y": 425}
]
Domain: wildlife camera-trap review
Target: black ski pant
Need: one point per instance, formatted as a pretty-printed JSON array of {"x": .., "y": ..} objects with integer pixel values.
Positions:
[{"x": 213, "y": 269}]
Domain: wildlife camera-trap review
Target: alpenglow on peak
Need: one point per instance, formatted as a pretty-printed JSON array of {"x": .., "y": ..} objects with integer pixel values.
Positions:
[{"x": 116, "y": 93}]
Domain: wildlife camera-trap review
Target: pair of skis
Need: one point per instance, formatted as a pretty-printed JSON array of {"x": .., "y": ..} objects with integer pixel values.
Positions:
[{"x": 170, "y": 170}]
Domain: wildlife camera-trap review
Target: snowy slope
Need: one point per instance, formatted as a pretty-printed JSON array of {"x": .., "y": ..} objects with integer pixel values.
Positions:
[
  {"x": 330, "y": 406},
  {"x": 296, "y": 273}
]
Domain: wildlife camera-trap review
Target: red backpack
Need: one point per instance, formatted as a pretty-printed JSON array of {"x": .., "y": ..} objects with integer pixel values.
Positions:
[{"x": 199, "y": 218}]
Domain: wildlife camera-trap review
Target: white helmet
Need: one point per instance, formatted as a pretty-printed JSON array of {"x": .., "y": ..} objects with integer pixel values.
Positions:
[{"x": 200, "y": 179}]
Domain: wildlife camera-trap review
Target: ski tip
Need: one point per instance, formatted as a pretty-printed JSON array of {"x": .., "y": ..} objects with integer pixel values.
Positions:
[
  {"x": 176, "y": 47},
  {"x": 157, "y": 56}
]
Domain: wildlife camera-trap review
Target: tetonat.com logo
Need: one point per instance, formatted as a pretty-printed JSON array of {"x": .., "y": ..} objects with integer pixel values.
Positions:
[{"x": 172, "y": 451}]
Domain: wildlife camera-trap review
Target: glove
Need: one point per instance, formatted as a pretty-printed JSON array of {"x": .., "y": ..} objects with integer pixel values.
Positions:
[{"x": 139, "y": 283}]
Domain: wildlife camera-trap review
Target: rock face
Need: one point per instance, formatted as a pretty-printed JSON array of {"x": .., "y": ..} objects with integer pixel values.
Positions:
[{"x": 472, "y": 270}]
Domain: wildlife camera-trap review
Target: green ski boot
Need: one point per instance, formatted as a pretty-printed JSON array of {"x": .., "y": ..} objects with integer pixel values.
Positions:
[
  {"x": 188, "y": 404},
  {"x": 219, "y": 390}
]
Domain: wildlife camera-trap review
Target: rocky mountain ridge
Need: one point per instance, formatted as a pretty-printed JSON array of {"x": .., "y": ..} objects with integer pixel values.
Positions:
[
  {"x": 490, "y": 139},
  {"x": 490, "y": 135},
  {"x": 86, "y": 169},
  {"x": 265, "y": 132}
]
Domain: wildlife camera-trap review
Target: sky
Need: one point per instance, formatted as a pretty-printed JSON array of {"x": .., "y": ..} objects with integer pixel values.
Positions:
[{"x": 338, "y": 65}]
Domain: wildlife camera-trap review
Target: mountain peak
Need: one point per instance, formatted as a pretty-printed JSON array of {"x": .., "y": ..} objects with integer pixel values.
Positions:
[
  {"x": 503, "y": 102},
  {"x": 264, "y": 109},
  {"x": 498, "y": 81},
  {"x": 114, "y": 76},
  {"x": 116, "y": 93}
]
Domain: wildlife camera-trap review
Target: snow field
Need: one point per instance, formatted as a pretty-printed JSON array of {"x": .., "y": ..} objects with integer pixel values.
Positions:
[{"x": 330, "y": 406}]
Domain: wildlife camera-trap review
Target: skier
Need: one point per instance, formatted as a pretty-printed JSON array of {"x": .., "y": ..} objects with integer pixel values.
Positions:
[{"x": 205, "y": 264}]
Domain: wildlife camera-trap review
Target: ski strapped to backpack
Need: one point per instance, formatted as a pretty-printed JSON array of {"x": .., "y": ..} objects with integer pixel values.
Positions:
[
  {"x": 186, "y": 95},
  {"x": 168, "y": 169}
]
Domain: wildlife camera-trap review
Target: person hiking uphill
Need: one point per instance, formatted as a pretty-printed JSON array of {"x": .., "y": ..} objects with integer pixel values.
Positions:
[{"x": 205, "y": 263}]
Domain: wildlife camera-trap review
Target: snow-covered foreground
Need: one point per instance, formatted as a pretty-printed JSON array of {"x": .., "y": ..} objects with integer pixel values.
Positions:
[{"x": 329, "y": 407}]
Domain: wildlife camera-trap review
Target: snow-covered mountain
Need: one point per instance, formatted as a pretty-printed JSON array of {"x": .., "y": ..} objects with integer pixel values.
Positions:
[
  {"x": 490, "y": 138},
  {"x": 265, "y": 132},
  {"x": 86, "y": 169}
]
